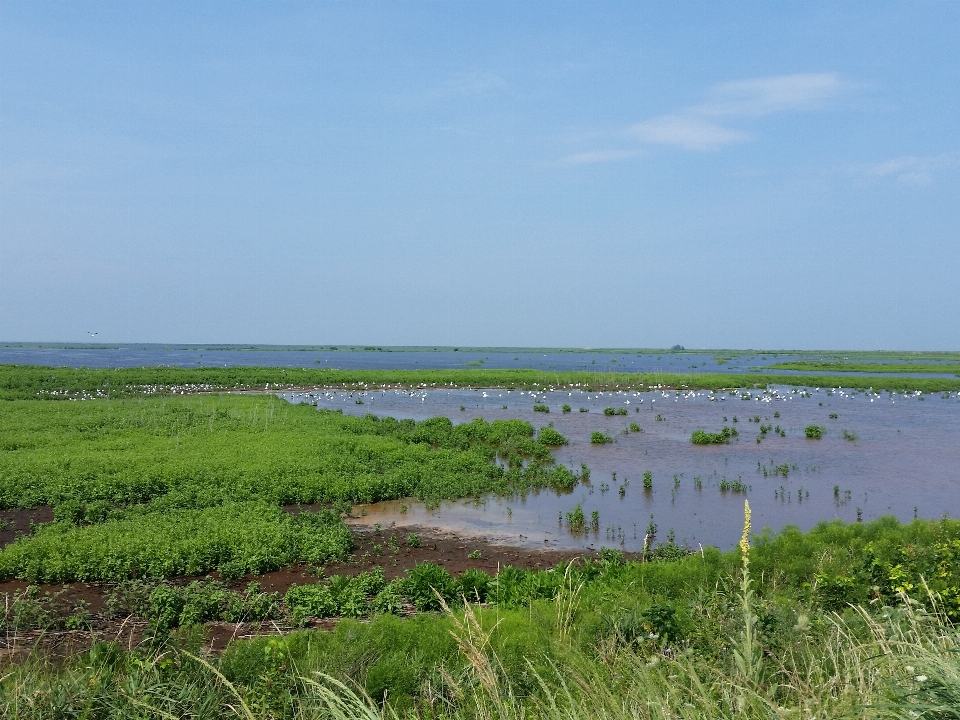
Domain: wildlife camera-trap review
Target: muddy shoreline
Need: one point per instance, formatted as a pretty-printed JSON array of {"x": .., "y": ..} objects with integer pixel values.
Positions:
[{"x": 371, "y": 550}]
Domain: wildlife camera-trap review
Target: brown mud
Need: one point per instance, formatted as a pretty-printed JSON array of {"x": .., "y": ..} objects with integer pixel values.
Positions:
[
  {"x": 387, "y": 549},
  {"x": 14, "y": 523}
]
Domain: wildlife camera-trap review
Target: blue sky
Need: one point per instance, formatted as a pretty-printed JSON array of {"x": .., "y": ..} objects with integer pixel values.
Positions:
[{"x": 717, "y": 174}]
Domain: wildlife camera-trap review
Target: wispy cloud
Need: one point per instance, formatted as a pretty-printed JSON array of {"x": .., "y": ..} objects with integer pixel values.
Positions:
[
  {"x": 691, "y": 133},
  {"x": 913, "y": 169},
  {"x": 598, "y": 156},
  {"x": 765, "y": 96},
  {"x": 706, "y": 125}
]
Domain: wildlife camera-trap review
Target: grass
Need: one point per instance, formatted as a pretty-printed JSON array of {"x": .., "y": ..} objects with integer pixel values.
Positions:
[
  {"x": 847, "y": 620},
  {"x": 32, "y": 382},
  {"x": 170, "y": 486},
  {"x": 941, "y": 367},
  {"x": 814, "y": 624}
]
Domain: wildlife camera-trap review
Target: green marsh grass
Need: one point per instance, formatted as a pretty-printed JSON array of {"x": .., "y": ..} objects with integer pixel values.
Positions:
[
  {"x": 169, "y": 486},
  {"x": 38, "y": 382}
]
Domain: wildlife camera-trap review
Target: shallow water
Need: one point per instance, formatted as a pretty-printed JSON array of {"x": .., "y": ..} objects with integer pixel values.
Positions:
[
  {"x": 150, "y": 355},
  {"x": 905, "y": 461}
]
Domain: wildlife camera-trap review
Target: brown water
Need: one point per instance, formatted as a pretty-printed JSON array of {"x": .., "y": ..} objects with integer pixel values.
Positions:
[{"x": 905, "y": 461}]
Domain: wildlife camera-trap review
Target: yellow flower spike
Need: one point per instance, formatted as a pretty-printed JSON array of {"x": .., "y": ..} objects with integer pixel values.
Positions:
[{"x": 745, "y": 538}]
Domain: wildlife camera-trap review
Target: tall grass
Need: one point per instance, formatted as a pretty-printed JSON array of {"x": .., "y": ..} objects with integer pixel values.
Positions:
[{"x": 894, "y": 662}]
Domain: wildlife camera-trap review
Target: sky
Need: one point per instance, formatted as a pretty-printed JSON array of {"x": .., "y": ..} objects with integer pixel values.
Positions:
[{"x": 603, "y": 174}]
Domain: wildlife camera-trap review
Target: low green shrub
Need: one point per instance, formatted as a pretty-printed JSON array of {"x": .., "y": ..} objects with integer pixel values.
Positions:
[
  {"x": 425, "y": 582},
  {"x": 549, "y": 436}
]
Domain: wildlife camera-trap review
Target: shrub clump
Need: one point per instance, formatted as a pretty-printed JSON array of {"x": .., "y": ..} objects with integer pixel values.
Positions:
[
  {"x": 549, "y": 436},
  {"x": 702, "y": 437},
  {"x": 814, "y": 432},
  {"x": 598, "y": 438}
]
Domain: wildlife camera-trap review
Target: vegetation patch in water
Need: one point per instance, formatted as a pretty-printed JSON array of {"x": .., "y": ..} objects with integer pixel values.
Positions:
[{"x": 702, "y": 437}]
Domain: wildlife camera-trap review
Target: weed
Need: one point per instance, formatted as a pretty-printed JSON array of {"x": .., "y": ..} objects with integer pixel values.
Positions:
[{"x": 576, "y": 520}]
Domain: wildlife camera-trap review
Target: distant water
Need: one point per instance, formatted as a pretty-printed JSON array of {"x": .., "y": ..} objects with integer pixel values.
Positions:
[
  {"x": 903, "y": 461},
  {"x": 192, "y": 356}
]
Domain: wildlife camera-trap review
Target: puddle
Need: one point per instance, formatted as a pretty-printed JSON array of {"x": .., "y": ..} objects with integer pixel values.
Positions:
[{"x": 904, "y": 461}]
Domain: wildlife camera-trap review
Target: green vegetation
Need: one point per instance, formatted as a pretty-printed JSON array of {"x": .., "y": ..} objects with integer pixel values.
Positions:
[
  {"x": 541, "y": 408},
  {"x": 576, "y": 520},
  {"x": 814, "y": 432},
  {"x": 550, "y": 437},
  {"x": 168, "y": 486},
  {"x": 847, "y": 620},
  {"x": 599, "y": 438},
  {"x": 615, "y": 411},
  {"x": 702, "y": 437},
  {"x": 32, "y": 382},
  {"x": 835, "y": 623},
  {"x": 942, "y": 368}
]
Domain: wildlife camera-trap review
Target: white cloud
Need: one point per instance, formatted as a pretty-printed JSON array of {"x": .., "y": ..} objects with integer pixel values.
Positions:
[
  {"x": 764, "y": 96},
  {"x": 695, "y": 127},
  {"x": 598, "y": 156},
  {"x": 691, "y": 133},
  {"x": 912, "y": 169}
]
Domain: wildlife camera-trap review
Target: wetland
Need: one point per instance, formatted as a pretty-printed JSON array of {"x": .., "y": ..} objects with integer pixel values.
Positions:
[{"x": 189, "y": 541}]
